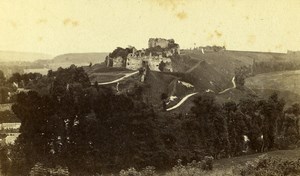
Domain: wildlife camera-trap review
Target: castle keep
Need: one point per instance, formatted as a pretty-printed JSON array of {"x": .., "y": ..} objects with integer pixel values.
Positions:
[{"x": 156, "y": 57}]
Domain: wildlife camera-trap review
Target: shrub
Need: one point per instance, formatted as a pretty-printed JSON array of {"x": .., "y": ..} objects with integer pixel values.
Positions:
[
  {"x": 147, "y": 171},
  {"x": 192, "y": 169},
  {"x": 130, "y": 172},
  {"x": 265, "y": 166}
]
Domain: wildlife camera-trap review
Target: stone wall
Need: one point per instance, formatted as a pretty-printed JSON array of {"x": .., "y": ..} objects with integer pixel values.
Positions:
[
  {"x": 168, "y": 67},
  {"x": 134, "y": 62},
  {"x": 153, "y": 42},
  {"x": 153, "y": 63},
  {"x": 118, "y": 62},
  {"x": 156, "y": 58}
]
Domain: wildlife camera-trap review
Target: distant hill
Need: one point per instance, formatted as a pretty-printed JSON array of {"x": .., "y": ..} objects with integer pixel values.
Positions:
[
  {"x": 8, "y": 56},
  {"x": 80, "y": 58}
]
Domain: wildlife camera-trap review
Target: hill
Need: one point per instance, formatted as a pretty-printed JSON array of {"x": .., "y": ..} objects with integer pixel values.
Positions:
[
  {"x": 79, "y": 59},
  {"x": 13, "y": 56},
  {"x": 211, "y": 72},
  {"x": 286, "y": 83},
  {"x": 227, "y": 61}
]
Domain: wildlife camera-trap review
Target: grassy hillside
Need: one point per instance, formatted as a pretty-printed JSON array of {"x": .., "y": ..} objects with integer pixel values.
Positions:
[
  {"x": 156, "y": 84},
  {"x": 229, "y": 165},
  {"x": 101, "y": 73},
  {"x": 210, "y": 72},
  {"x": 287, "y": 83},
  {"x": 11, "y": 56},
  {"x": 226, "y": 61}
]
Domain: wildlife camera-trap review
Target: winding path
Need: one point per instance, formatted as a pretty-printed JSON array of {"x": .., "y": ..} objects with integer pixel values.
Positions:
[
  {"x": 119, "y": 79},
  {"x": 234, "y": 86},
  {"x": 181, "y": 101},
  {"x": 194, "y": 67}
]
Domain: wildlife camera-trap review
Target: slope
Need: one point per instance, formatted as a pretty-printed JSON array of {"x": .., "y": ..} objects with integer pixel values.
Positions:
[
  {"x": 286, "y": 83},
  {"x": 79, "y": 59}
]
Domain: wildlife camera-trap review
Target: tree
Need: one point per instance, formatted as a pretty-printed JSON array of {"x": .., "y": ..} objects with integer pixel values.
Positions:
[
  {"x": 2, "y": 78},
  {"x": 249, "y": 107},
  {"x": 4, "y": 94},
  {"x": 4, "y": 161},
  {"x": 236, "y": 126},
  {"x": 288, "y": 128},
  {"x": 16, "y": 77},
  {"x": 213, "y": 129},
  {"x": 164, "y": 97},
  {"x": 272, "y": 111},
  {"x": 49, "y": 120}
]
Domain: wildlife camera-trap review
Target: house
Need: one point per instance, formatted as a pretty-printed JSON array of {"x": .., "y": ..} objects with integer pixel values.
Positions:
[{"x": 6, "y": 126}]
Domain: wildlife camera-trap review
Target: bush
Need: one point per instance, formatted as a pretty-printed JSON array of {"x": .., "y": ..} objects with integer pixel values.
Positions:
[
  {"x": 265, "y": 166},
  {"x": 147, "y": 171},
  {"x": 194, "y": 168},
  {"x": 130, "y": 172},
  {"x": 284, "y": 142}
]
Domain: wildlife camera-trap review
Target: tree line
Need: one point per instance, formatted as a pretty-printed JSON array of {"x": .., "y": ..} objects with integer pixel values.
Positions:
[
  {"x": 267, "y": 66},
  {"x": 91, "y": 129}
]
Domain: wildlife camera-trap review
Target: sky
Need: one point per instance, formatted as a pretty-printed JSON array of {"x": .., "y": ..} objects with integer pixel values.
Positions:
[{"x": 65, "y": 26}]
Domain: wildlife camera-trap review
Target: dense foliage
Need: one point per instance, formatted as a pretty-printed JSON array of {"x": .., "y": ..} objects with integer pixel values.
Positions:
[
  {"x": 268, "y": 166},
  {"x": 5, "y": 89},
  {"x": 91, "y": 129},
  {"x": 267, "y": 66}
]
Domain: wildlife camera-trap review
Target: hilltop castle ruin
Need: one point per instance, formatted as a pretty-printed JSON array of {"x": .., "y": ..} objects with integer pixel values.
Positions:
[{"x": 156, "y": 57}]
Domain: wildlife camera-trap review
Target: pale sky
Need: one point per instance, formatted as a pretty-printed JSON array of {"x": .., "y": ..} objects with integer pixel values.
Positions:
[{"x": 63, "y": 26}]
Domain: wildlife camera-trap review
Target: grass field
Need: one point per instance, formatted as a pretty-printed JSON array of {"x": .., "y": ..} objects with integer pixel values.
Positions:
[{"x": 285, "y": 82}]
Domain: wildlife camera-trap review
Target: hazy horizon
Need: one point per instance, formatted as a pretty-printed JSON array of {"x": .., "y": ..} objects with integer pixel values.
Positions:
[{"x": 59, "y": 27}]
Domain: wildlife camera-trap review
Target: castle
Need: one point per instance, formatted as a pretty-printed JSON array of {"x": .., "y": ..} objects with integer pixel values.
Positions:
[{"x": 156, "y": 57}]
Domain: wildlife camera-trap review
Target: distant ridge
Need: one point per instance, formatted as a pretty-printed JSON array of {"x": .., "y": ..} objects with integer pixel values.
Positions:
[
  {"x": 79, "y": 58},
  {"x": 261, "y": 52},
  {"x": 9, "y": 56}
]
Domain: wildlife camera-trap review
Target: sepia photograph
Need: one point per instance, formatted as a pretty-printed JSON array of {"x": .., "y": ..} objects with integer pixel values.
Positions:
[{"x": 149, "y": 87}]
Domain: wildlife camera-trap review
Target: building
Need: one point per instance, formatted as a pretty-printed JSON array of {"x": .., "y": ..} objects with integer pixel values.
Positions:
[
  {"x": 9, "y": 132},
  {"x": 156, "y": 57},
  {"x": 6, "y": 126},
  {"x": 11, "y": 138}
]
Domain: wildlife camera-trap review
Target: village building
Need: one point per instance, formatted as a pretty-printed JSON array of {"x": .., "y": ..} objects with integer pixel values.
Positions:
[
  {"x": 6, "y": 126},
  {"x": 9, "y": 132}
]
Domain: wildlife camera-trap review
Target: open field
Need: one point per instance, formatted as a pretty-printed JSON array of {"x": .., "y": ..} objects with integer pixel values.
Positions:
[{"x": 286, "y": 81}]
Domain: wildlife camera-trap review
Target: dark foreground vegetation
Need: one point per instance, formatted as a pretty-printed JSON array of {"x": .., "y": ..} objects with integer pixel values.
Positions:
[{"x": 69, "y": 126}]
